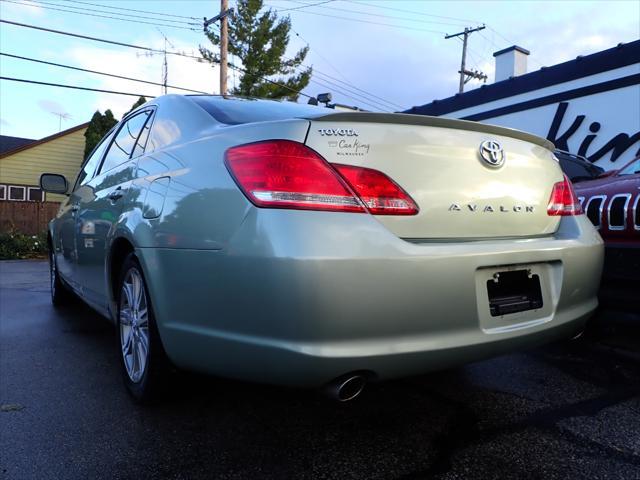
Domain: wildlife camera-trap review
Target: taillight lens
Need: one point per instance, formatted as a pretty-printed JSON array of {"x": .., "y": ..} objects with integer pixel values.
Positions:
[
  {"x": 379, "y": 193},
  {"x": 564, "y": 200},
  {"x": 286, "y": 174}
]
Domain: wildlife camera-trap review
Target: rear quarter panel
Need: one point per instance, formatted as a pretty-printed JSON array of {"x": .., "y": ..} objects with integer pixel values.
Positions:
[{"x": 202, "y": 206}]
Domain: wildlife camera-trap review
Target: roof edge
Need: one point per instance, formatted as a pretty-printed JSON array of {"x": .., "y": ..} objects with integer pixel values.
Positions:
[{"x": 35, "y": 143}]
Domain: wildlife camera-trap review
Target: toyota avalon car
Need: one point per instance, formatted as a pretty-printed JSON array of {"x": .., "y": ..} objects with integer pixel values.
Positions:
[{"x": 285, "y": 243}]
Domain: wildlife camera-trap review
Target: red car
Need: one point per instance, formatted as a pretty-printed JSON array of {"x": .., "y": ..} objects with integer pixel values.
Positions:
[{"x": 612, "y": 203}]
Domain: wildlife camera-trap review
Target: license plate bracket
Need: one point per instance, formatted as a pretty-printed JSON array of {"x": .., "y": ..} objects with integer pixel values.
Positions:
[{"x": 514, "y": 291}]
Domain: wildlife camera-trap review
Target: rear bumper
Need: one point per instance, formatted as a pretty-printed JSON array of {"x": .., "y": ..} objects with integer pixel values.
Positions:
[{"x": 300, "y": 298}]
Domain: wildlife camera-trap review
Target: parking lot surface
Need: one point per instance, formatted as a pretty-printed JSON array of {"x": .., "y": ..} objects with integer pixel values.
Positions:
[{"x": 567, "y": 410}]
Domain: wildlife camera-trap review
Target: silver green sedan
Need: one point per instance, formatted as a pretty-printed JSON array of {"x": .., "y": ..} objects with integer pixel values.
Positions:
[{"x": 293, "y": 244}]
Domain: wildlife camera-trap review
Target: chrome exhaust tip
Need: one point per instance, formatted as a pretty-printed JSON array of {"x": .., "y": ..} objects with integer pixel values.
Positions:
[{"x": 347, "y": 387}]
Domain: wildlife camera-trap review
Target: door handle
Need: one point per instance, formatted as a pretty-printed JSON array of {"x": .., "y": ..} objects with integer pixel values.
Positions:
[{"x": 116, "y": 194}]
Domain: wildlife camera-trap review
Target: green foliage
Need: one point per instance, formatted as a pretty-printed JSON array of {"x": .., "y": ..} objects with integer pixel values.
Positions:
[
  {"x": 140, "y": 101},
  {"x": 98, "y": 127},
  {"x": 15, "y": 245},
  {"x": 260, "y": 40}
]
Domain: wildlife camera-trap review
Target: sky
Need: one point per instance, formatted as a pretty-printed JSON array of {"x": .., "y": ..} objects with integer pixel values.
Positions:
[{"x": 381, "y": 55}]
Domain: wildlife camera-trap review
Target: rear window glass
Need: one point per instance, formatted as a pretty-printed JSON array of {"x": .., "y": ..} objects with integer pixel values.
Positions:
[{"x": 234, "y": 111}]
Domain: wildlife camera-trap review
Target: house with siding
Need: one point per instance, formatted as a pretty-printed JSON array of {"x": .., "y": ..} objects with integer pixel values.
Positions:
[{"x": 21, "y": 166}]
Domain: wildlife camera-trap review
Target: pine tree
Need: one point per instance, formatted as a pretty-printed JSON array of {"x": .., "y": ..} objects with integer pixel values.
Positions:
[
  {"x": 140, "y": 101},
  {"x": 98, "y": 127},
  {"x": 260, "y": 40}
]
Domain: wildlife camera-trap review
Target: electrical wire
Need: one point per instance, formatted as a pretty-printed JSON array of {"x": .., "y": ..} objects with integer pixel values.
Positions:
[
  {"x": 342, "y": 86},
  {"x": 98, "y": 16},
  {"x": 379, "y": 15},
  {"x": 132, "y": 10},
  {"x": 122, "y": 44},
  {"x": 128, "y": 15},
  {"x": 371, "y": 22},
  {"x": 98, "y": 73},
  {"x": 307, "y": 5},
  {"x": 75, "y": 87},
  {"x": 96, "y": 39},
  {"x": 462, "y": 20}
]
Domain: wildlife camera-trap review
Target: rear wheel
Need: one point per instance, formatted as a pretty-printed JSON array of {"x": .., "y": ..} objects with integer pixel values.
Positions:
[
  {"x": 142, "y": 356},
  {"x": 60, "y": 294}
]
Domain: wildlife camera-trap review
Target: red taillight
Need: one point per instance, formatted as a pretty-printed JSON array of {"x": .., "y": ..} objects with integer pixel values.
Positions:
[
  {"x": 286, "y": 174},
  {"x": 380, "y": 194},
  {"x": 563, "y": 200}
]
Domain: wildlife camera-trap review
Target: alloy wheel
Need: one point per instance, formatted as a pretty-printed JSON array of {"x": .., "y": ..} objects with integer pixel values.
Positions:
[{"x": 134, "y": 325}]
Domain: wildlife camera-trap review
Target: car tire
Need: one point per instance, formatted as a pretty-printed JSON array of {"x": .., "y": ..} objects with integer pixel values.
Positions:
[
  {"x": 142, "y": 357},
  {"x": 60, "y": 293}
]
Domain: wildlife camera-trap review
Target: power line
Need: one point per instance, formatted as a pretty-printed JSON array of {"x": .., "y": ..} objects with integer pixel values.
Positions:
[
  {"x": 391, "y": 17},
  {"x": 133, "y": 10},
  {"x": 148, "y": 49},
  {"x": 462, "y": 20},
  {"x": 307, "y": 5},
  {"x": 347, "y": 84},
  {"x": 96, "y": 72},
  {"x": 75, "y": 87},
  {"x": 336, "y": 87},
  {"x": 98, "y": 16},
  {"x": 340, "y": 87},
  {"x": 128, "y": 15},
  {"x": 96, "y": 39},
  {"x": 509, "y": 41},
  {"x": 367, "y": 21}
]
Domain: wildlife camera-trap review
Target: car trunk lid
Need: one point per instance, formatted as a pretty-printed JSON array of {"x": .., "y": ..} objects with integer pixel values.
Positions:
[{"x": 438, "y": 162}]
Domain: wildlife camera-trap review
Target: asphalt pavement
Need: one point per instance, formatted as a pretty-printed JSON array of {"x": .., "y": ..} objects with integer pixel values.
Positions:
[{"x": 567, "y": 410}]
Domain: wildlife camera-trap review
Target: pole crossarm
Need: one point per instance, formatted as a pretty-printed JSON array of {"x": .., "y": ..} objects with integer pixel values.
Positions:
[
  {"x": 466, "y": 75},
  {"x": 217, "y": 17}
]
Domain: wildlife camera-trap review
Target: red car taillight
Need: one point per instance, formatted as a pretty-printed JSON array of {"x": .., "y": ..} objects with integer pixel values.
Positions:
[
  {"x": 286, "y": 174},
  {"x": 380, "y": 194},
  {"x": 564, "y": 200}
]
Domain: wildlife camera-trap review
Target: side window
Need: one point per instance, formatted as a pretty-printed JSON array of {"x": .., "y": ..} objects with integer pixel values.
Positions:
[
  {"x": 124, "y": 142},
  {"x": 142, "y": 141},
  {"x": 92, "y": 162}
]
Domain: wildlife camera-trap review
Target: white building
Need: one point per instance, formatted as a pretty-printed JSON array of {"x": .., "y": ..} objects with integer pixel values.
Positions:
[{"x": 589, "y": 106}]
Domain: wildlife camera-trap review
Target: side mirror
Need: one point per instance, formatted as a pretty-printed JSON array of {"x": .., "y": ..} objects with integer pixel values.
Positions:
[{"x": 53, "y": 183}]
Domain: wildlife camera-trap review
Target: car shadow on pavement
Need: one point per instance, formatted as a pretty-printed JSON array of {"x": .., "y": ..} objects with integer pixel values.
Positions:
[{"x": 437, "y": 425}]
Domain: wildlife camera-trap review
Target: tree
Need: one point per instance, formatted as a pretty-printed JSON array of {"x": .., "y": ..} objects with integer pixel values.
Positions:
[
  {"x": 140, "y": 101},
  {"x": 98, "y": 127},
  {"x": 260, "y": 40}
]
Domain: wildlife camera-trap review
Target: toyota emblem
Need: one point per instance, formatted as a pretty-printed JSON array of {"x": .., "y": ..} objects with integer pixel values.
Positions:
[{"x": 492, "y": 153}]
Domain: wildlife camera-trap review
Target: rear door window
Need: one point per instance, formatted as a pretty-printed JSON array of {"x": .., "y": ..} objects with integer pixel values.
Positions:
[{"x": 124, "y": 143}]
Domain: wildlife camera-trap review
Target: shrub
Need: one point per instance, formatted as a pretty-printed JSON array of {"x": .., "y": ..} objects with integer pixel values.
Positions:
[{"x": 15, "y": 245}]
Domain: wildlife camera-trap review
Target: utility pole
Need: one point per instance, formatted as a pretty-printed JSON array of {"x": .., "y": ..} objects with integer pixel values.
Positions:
[
  {"x": 224, "y": 44},
  {"x": 466, "y": 75},
  {"x": 224, "y": 41}
]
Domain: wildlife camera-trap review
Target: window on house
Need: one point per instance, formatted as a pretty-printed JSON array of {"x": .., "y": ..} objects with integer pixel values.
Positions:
[
  {"x": 3, "y": 192},
  {"x": 16, "y": 193},
  {"x": 35, "y": 195}
]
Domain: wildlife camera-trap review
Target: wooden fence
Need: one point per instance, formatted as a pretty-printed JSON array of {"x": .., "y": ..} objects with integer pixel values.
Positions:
[{"x": 26, "y": 217}]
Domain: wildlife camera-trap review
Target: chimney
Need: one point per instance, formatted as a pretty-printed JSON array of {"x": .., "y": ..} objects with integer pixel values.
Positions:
[{"x": 510, "y": 62}]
